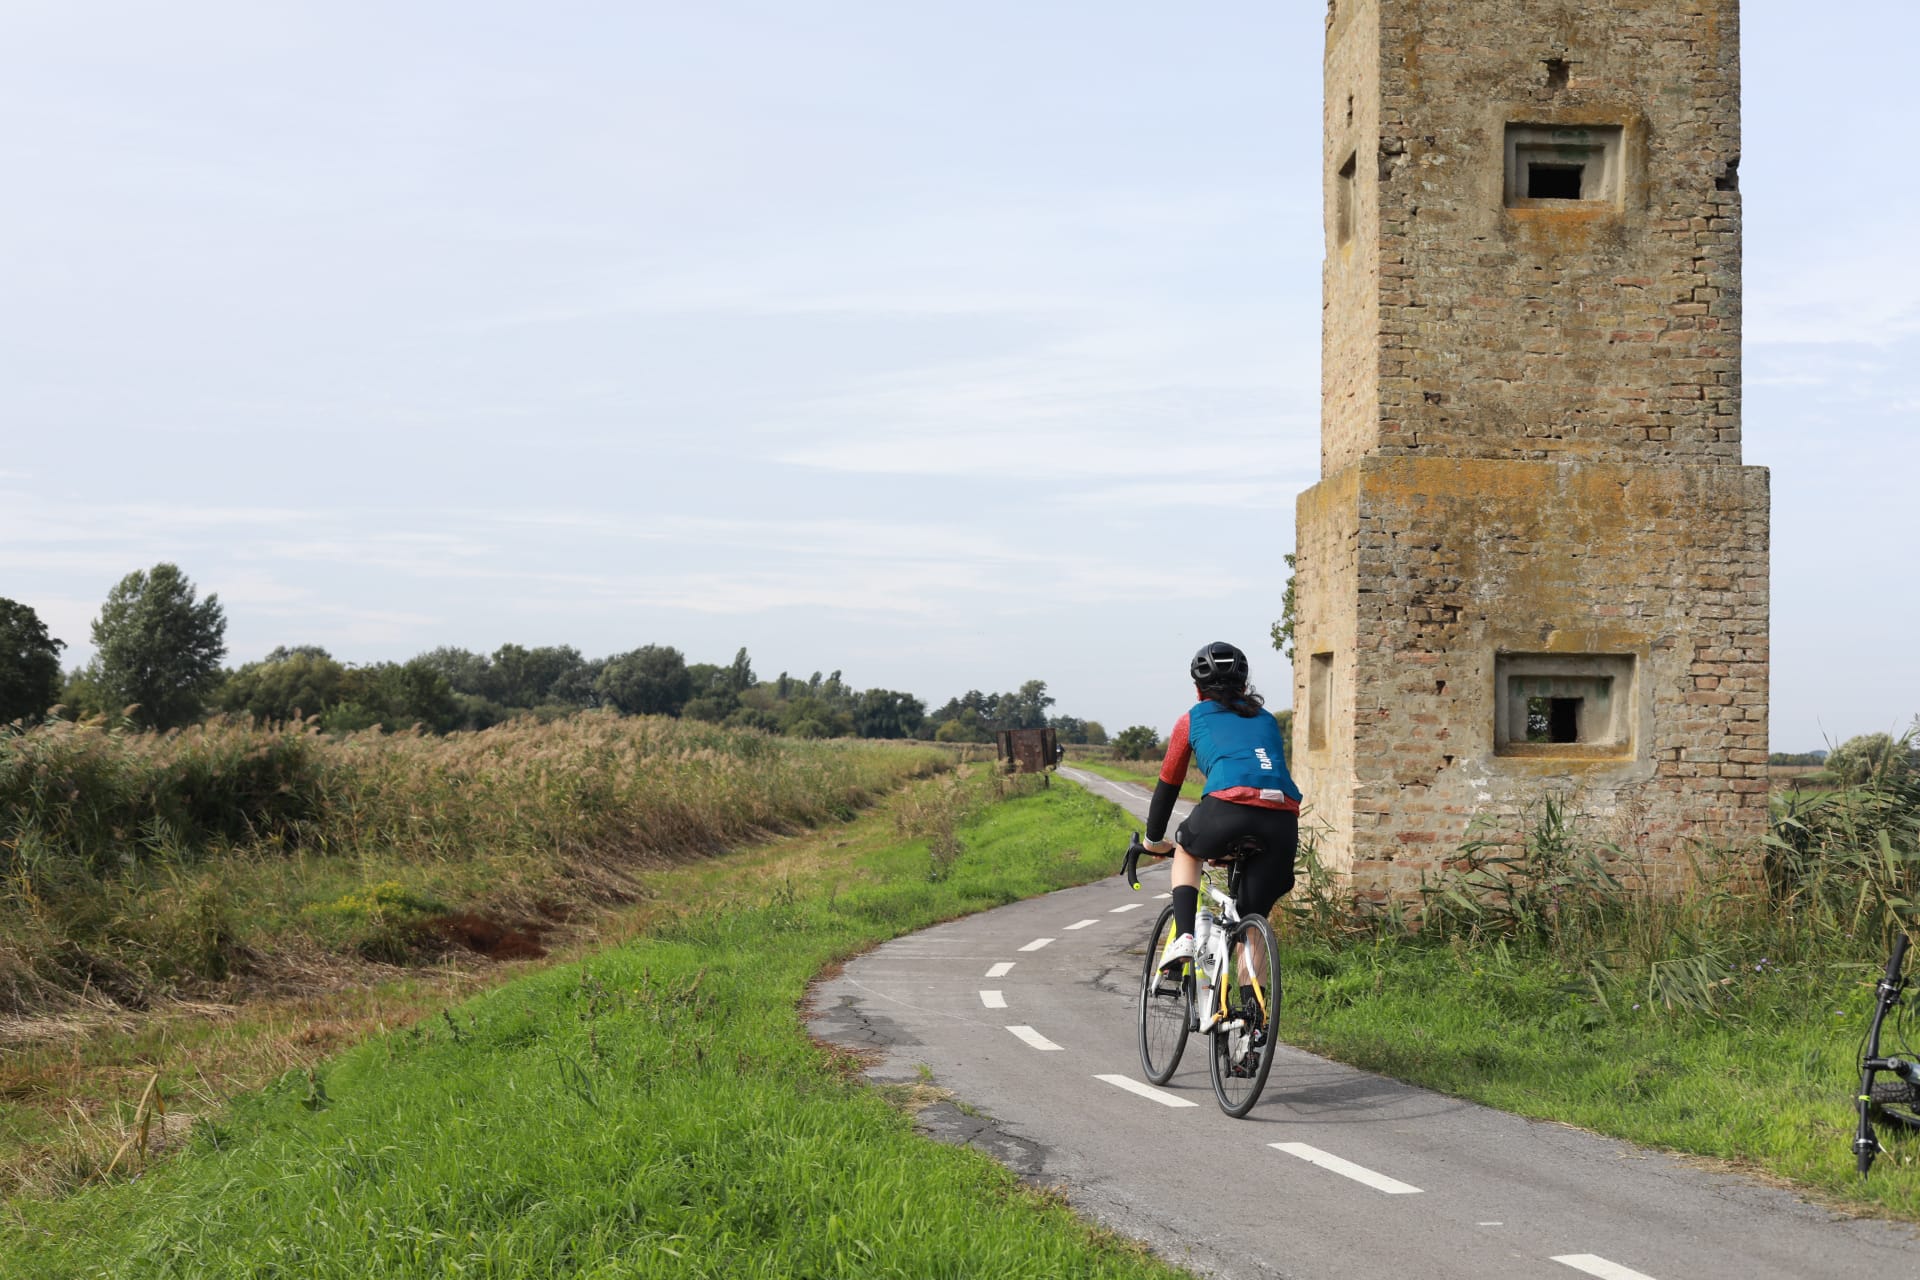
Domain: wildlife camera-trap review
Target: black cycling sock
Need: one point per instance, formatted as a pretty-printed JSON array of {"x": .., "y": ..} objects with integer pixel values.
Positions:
[{"x": 1186, "y": 905}]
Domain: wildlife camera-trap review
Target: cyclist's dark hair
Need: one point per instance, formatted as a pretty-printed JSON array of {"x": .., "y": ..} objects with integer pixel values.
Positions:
[{"x": 1243, "y": 700}]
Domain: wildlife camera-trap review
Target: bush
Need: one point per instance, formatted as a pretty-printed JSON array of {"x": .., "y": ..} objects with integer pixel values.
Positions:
[{"x": 1137, "y": 742}]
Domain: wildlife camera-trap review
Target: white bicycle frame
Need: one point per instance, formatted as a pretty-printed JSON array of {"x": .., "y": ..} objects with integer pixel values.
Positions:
[{"x": 1211, "y": 953}]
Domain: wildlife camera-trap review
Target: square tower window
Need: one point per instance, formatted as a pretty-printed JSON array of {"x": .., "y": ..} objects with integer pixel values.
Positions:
[
  {"x": 1558, "y": 165},
  {"x": 1574, "y": 705},
  {"x": 1319, "y": 700}
]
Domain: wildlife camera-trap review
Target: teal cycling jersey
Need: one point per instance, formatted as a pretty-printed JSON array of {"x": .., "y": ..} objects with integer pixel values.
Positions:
[{"x": 1239, "y": 751}]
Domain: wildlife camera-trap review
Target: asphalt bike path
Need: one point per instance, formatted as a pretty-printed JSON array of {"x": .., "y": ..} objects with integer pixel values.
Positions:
[{"x": 1025, "y": 1015}]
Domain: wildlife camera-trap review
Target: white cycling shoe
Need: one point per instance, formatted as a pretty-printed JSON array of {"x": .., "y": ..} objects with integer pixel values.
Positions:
[{"x": 1178, "y": 952}]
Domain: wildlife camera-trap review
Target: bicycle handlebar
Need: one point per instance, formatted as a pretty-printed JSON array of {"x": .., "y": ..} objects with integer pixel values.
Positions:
[
  {"x": 1131, "y": 867},
  {"x": 1895, "y": 960}
]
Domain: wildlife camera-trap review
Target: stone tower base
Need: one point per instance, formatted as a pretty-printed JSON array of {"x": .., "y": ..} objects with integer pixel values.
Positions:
[{"x": 1594, "y": 630}]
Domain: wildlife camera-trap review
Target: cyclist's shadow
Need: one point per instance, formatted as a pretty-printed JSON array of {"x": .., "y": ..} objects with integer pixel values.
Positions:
[{"x": 1304, "y": 1088}]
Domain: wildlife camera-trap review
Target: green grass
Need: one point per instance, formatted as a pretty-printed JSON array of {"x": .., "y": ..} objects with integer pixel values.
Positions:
[
  {"x": 1723, "y": 1021},
  {"x": 1766, "y": 1082},
  {"x": 655, "y": 1112},
  {"x": 1144, "y": 772}
]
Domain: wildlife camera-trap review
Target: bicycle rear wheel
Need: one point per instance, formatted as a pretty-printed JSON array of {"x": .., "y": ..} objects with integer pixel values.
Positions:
[
  {"x": 1166, "y": 1006},
  {"x": 1250, "y": 996}
]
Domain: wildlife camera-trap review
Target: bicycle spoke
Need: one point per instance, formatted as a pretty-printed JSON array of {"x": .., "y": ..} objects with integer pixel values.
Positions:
[
  {"x": 1243, "y": 1047},
  {"x": 1166, "y": 1003}
]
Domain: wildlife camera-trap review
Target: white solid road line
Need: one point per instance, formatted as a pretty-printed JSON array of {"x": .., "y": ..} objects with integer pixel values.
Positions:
[
  {"x": 1036, "y": 944},
  {"x": 1347, "y": 1169},
  {"x": 1001, "y": 970},
  {"x": 1148, "y": 1091},
  {"x": 1131, "y": 906},
  {"x": 993, "y": 999},
  {"x": 1033, "y": 1038},
  {"x": 1594, "y": 1265},
  {"x": 1080, "y": 924}
]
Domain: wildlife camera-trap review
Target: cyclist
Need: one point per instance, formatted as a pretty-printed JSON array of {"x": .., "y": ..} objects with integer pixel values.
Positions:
[{"x": 1250, "y": 800}]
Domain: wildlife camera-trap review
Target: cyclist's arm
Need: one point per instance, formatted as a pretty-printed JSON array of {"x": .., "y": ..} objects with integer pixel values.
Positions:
[{"x": 1173, "y": 772}]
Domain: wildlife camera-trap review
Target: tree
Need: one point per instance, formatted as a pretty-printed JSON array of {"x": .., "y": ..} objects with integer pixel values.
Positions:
[
  {"x": 1026, "y": 709},
  {"x": 1283, "y": 629},
  {"x": 1136, "y": 742},
  {"x": 754, "y": 718},
  {"x": 968, "y": 726},
  {"x": 396, "y": 695},
  {"x": 522, "y": 677},
  {"x": 1285, "y": 721},
  {"x": 809, "y": 716},
  {"x": 1873, "y": 758},
  {"x": 303, "y": 681},
  {"x": 159, "y": 647},
  {"x": 651, "y": 680},
  {"x": 30, "y": 678},
  {"x": 1069, "y": 729},
  {"x": 740, "y": 674},
  {"x": 466, "y": 671},
  {"x": 1096, "y": 734},
  {"x": 281, "y": 652},
  {"x": 884, "y": 713}
]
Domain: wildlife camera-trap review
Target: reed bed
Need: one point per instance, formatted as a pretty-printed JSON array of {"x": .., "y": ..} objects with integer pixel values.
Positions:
[{"x": 134, "y": 864}]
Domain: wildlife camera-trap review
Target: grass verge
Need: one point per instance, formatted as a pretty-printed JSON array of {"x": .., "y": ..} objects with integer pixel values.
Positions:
[
  {"x": 1724, "y": 1021},
  {"x": 1143, "y": 772},
  {"x": 1769, "y": 1089},
  {"x": 655, "y": 1111}
]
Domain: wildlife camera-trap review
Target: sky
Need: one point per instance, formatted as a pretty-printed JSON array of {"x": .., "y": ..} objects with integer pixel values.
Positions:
[{"x": 949, "y": 346}]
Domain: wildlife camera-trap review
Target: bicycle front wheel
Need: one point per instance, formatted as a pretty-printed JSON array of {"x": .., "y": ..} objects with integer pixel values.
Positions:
[
  {"x": 1243, "y": 1042},
  {"x": 1166, "y": 1004},
  {"x": 1896, "y": 1103}
]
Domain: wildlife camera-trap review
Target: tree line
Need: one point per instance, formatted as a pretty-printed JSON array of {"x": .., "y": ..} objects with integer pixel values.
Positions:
[{"x": 159, "y": 649}]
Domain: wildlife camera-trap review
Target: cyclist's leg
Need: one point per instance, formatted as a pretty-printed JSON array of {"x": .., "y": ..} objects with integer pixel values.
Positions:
[
  {"x": 1194, "y": 840},
  {"x": 1268, "y": 876}
]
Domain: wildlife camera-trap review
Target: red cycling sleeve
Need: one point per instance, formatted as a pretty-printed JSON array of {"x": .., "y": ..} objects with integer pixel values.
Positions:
[{"x": 1179, "y": 754}]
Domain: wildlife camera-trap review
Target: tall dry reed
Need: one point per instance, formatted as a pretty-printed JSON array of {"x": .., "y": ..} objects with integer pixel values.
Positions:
[{"x": 133, "y": 861}]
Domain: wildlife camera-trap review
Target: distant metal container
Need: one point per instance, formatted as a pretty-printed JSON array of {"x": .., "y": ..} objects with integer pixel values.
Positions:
[{"x": 1027, "y": 750}]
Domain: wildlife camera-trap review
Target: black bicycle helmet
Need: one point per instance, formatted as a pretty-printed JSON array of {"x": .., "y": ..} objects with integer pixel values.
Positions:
[{"x": 1219, "y": 665}]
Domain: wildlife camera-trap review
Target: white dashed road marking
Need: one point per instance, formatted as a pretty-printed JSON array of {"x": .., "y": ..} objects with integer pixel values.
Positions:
[
  {"x": 1160, "y": 1096},
  {"x": 1036, "y": 944},
  {"x": 1033, "y": 1037},
  {"x": 1594, "y": 1265},
  {"x": 1001, "y": 970},
  {"x": 993, "y": 999},
  {"x": 1158, "y": 896},
  {"x": 1081, "y": 924},
  {"x": 1347, "y": 1169},
  {"x": 1131, "y": 906}
]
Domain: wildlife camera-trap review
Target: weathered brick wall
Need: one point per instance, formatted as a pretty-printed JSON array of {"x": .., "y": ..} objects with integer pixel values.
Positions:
[
  {"x": 1464, "y": 559},
  {"x": 1350, "y": 274},
  {"x": 1327, "y": 619},
  {"x": 1564, "y": 332},
  {"x": 1531, "y": 435}
]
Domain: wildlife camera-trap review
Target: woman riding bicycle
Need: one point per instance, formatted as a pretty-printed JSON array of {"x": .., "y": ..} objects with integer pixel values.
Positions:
[{"x": 1251, "y": 808}]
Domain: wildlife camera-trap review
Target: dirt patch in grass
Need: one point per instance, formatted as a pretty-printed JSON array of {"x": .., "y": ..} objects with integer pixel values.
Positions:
[{"x": 490, "y": 938}]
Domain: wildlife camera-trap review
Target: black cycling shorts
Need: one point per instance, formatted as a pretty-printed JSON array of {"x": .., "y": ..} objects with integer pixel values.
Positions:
[{"x": 1216, "y": 827}]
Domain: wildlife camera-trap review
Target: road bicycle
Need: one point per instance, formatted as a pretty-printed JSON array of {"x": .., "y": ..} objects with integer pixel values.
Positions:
[
  {"x": 1229, "y": 992},
  {"x": 1893, "y": 1104}
]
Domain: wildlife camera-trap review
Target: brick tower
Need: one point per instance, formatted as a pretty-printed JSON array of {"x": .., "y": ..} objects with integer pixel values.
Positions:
[{"x": 1534, "y": 562}]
